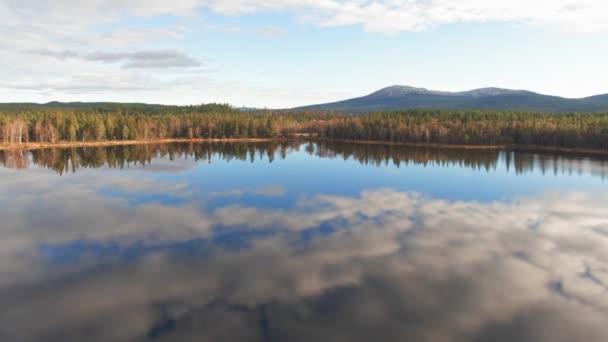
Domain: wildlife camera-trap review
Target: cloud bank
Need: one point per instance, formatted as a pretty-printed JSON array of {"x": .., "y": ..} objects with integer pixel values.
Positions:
[
  {"x": 388, "y": 16},
  {"x": 138, "y": 59},
  {"x": 392, "y": 16}
]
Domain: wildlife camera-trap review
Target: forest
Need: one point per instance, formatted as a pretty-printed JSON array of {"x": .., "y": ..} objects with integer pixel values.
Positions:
[{"x": 19, "y": 125}]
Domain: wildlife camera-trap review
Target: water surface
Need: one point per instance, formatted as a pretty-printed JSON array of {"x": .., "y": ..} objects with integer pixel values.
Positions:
[{"x": 302, "y": 242}]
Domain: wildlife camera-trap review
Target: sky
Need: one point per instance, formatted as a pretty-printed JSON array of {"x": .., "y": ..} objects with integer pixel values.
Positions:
[{"x": 286, "y": 53}]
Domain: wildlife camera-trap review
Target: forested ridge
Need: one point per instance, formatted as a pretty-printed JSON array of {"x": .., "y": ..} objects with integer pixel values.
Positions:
[{"x": 20, "y": 125}]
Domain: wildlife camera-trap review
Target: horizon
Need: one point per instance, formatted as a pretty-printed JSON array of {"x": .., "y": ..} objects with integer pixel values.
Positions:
[
  {"x": 252, "y": 107},
  {"x": 288, "y": 54}
]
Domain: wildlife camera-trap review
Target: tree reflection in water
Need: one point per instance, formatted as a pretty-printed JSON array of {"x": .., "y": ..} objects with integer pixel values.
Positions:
[{"x": 70, "y": 160}]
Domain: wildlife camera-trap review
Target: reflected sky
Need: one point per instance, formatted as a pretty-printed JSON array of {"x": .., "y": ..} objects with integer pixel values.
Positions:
[{"x": 302, "y": 242}]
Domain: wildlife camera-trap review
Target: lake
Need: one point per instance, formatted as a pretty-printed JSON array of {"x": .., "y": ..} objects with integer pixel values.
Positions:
[{"x": 302, "y": 242}]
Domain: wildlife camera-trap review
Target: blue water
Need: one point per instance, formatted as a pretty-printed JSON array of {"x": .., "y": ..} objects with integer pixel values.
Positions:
[{"x": 311, "y": 245}]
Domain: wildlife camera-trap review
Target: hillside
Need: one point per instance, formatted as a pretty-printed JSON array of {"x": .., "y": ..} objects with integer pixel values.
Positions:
[{"x": 404, "y": 97}]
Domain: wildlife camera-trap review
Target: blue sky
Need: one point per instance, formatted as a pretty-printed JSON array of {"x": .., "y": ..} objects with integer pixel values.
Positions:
[{"x": 294, "y": 52}]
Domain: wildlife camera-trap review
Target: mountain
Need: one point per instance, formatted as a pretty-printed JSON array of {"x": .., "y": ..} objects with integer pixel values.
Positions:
[
  {"x": 598, "y": 98},
  {"x": 405, "y": 97},
  {"x": 389, "y": 98}
]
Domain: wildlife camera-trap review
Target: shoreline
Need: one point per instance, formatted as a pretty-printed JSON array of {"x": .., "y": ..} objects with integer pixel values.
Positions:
[
  {"x": 517, "y": 148},
  {"x": 72, "y": 144}
]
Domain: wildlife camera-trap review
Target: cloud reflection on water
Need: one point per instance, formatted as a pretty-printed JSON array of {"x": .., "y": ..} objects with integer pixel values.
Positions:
[{"x": 393, "y": 266}]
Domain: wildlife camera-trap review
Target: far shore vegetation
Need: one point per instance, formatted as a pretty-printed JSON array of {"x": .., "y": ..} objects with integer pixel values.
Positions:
[{"x": 35, "y": 126}]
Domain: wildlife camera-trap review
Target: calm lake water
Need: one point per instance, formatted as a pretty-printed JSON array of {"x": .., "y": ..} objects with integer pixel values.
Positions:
[{"x": 302, "y": 242}]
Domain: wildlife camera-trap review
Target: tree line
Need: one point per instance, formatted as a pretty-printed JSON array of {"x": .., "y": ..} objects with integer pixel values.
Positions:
[{"x": 568, "y": 130}]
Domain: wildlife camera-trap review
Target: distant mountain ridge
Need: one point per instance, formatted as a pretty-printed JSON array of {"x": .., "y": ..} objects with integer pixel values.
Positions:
[
  {"x": 406, "y": 97},
  {"x": 396, "y": 97},
  {"x": 396, "y": 91}
]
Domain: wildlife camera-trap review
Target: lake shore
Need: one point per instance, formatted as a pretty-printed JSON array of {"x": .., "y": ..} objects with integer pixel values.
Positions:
[
  {"x": 70, "y": 144},
  {"x": 519, "y": 148}
]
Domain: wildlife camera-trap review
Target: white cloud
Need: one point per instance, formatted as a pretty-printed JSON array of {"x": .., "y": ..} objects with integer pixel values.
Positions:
[
  {"x": 263, "y": 31},
  {"x": 392, "y": 16},
  {"x": 389, "y": 16}
]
